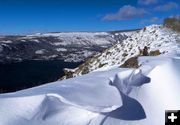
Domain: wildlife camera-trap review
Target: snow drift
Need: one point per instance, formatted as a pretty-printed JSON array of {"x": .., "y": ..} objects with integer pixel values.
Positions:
[{"x": 112, "y": 96}]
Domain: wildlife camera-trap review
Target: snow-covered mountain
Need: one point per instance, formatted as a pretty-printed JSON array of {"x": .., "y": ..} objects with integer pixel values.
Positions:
[
  {"x": 72, "y": 46},
  {"x": 156, "y": 37}
]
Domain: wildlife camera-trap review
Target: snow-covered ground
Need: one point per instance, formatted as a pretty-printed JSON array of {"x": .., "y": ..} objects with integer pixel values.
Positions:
[
  {"x": 73, "y": 37},
  {"x": 156, "y": 37},
  {"x": 108, "y": 96}
]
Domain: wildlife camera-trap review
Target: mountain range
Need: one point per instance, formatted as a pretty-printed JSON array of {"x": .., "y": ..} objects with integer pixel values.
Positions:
[{"x": 70, "y": 47}]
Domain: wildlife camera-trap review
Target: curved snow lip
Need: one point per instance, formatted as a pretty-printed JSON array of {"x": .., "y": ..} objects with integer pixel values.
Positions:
[
  {"x": 125, "y": 81},
  {"x": 53, "y": 104},
  {"x": 99, "y": 109}
]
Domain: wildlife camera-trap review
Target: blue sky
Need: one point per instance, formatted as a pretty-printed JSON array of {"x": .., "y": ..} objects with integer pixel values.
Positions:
[{"x": 31, "y": 16}]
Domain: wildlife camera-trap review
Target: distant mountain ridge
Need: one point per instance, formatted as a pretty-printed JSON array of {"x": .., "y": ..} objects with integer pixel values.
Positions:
[{"x": 70, "y": 46}]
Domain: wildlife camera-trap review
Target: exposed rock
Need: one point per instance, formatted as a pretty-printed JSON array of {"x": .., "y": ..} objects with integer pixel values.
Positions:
[
  {"x": 173, "y": 23},
  {"x": 131, "y": 63},
  {"x": 154, "y": 53}
]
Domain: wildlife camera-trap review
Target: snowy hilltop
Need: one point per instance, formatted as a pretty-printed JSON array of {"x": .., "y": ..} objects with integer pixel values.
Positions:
[
  {"x": 113, "y": 96},
  {"x": 155, "y": 37}
]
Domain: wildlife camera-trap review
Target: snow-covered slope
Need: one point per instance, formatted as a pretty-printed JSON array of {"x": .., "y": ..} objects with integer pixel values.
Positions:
[
  {"x": 72, "y": 46},
  {"x": 113, "y": 96},
  {"x": 156, "y": 37}
]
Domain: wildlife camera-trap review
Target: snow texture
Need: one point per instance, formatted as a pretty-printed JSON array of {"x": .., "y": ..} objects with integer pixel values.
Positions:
[{"x": 112, "y": 96}]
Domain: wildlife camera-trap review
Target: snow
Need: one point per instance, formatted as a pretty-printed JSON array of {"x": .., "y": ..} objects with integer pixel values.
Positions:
[
  {"x": 61, "y": 49},
  {"x": 81, "y": 38},
  {"x": 40, "y": 52},
  {"x": 36, "y": 40},
  {"x": 81, "y": 45},
  {"x": 52, "y": 56},
  {"x": 23, "y": 40},
  {"x": 58, "y": 43},
  {"x": 50, "y": 103},
  {"x": 87, "y": 53},
  {"x": 68, "y": 70},
  {"x": 108, "y": 96},
  {"x": 6, "y": 41},
  {"x": 162, "y": 92},
  {"x": 156, "y": 37}
]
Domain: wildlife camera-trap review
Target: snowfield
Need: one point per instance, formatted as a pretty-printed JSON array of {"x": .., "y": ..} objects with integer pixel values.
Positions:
[{"x": 108, "y": 96}]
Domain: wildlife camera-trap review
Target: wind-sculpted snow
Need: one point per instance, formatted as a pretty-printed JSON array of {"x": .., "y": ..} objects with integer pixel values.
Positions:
[
  {"x": 131, "y": 110},
  {"x": 126, "y": 80},
  {"x": 113, "y": 96}
]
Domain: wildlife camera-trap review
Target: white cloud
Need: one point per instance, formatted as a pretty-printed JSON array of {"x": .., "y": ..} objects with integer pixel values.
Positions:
[
  {"x": 167, "y": 6},
  {"x": 127, "y": 12},
  {"x": 147, "y": 2}
]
